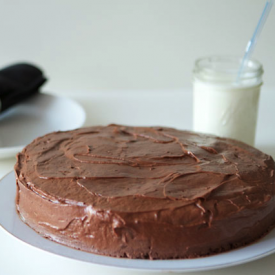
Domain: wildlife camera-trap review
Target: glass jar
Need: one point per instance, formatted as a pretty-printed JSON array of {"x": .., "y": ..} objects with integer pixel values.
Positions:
[{"x": 224, "y": 103}]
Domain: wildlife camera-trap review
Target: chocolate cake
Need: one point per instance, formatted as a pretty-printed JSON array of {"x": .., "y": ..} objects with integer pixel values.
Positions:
[{"x": 141, "y": 192}]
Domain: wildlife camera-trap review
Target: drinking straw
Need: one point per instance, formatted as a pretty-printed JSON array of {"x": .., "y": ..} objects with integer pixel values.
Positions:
[{"x": 253, "y": 41}]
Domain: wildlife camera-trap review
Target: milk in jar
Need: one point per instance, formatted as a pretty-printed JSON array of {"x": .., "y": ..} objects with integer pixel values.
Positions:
[{"x": 223, "y": 105}]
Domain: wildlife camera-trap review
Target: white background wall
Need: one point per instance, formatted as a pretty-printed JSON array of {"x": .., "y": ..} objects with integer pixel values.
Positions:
[{"x": 95, "y": 45}]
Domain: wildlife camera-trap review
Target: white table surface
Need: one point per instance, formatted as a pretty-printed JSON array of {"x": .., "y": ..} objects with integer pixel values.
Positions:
[{"x": 173, "y": 108}]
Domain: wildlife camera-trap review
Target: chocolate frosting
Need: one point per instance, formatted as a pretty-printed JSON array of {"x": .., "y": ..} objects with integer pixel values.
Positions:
[{"x": 143, "y": 192}]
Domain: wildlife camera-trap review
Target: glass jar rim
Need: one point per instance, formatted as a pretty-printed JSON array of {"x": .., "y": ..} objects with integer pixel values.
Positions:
[{"x": 225, "y": 68}]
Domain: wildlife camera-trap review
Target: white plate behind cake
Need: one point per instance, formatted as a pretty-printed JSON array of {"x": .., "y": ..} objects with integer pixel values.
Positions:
[
  {"x": 35, "y": 117},
  {"x": 10, "y": 222}
]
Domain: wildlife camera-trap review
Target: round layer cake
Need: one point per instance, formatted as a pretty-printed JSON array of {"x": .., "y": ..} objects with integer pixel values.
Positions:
[{"x": 141, "y": 192}]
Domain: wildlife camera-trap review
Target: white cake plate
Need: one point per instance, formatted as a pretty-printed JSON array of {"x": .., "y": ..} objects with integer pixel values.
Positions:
[
  {"x": 10, "y": 222},
  {"x": 40, "y": 114}
]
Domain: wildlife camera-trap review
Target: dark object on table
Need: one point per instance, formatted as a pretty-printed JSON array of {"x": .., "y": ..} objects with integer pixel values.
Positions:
[{"x": 18, "y": 82}]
